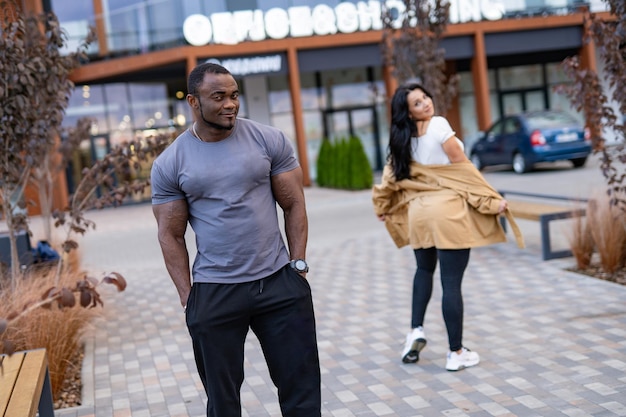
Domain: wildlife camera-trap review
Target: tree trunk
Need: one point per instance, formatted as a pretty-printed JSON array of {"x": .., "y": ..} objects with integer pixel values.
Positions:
[
  {"x": 43, "y": 177},
  {"x": 7, "y": 209}
]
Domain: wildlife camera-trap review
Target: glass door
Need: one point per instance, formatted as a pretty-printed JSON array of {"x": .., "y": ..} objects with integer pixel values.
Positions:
[
  {"x": 361, "y": 122},
  {"x": 512, "y": 102},
  {"x": 89, "y": 151}
]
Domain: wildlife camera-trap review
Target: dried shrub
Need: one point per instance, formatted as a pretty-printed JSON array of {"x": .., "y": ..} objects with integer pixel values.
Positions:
[
  {"x": 57, "y": 329},
  {"x": 581, "y": 242},
  {"x": 607, "y": 224}
]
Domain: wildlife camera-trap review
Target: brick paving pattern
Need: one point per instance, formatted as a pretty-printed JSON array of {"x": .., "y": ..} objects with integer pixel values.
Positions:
[{"x": 552, "y": 342}]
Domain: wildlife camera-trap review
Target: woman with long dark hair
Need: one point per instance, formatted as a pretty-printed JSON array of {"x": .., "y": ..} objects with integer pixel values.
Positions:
[{"x": 432, "y": 198}]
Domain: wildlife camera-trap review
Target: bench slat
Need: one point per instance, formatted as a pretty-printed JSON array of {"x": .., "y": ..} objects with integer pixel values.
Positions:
[
  {"x": 534, "y": 211},
  {"x": 29, "y": 384},
  {"x": 8, "y": 377}
]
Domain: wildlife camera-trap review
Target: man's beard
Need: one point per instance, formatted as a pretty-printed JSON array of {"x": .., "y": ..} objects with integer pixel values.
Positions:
[{"x": 213, "y": 124}]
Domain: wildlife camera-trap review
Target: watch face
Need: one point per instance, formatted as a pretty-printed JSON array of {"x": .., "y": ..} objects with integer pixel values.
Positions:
[{"x": 300, "y": 265}]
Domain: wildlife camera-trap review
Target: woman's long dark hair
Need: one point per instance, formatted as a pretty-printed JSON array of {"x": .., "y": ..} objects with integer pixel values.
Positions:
[{"x": 401, "y": 131}]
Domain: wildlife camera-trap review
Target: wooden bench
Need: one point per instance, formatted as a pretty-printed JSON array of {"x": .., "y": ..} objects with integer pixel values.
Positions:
[
  {"x": 25, "y": 385},
  {"x": 544, "y": 213}
]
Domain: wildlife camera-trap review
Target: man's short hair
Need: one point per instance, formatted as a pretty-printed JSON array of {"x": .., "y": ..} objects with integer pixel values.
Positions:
[{"x": 197, "y": 75}]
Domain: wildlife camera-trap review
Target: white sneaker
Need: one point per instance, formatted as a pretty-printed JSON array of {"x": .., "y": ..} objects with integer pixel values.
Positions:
[
  {"x": 415, "y": 342},
  {"x": 456, "y": 362}
]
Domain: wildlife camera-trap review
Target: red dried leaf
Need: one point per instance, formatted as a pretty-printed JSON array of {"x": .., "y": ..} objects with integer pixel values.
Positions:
[
  {"x": 69, "y": 245},
  {"x": 8, "y": 347},
  {"x": 67, "y": 298},
  {"x": 116, "y": 279},
  {"x": 85, "y": 298}
]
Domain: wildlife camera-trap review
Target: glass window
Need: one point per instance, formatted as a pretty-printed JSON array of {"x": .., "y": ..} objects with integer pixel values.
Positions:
[
  {"x": 279, "y": 95},
  {"x": 556, "y": 74},
  {"x": 118, "y": 106},
  {"x": 75, "y": 18},
  {"x": 494, "y": 106},
  {"x": 164, "y": 24},
  {"x": 70, "y": 10},
  {"x": 310, "y": 94},
  {"x": 182, "y": 114},
  {"x": 87, "y": 101},
  {"x": 282, "y": 4},
  {"x": 469, "y": 120},
  {"x": 149, "y": 105},
  {"x": 466, "y": 82},
  {"x": 347, "y": 87},
  {"x": 512, "y": 125},
  {"x": 520, "y": 77},
  {"x": 284, "y": 122}
]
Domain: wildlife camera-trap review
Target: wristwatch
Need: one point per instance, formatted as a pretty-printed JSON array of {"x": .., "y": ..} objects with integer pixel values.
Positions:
[{"x": 299, "y": 265}]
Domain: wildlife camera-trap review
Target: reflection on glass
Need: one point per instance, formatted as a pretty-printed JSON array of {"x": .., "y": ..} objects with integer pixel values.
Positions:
[
  {"x": 75, "y": 18},
  {"x": 313, "y": 132},
  {"x": 535, "y": 101},
  {"x": 284, "y": 122},
  {"x": 469, "y": 120},
  {"x": 521, "y": 76},
  {"x": 363, "y": 128},
  {"x": 118, "y": 106},
  {"x": 148, "y": 100},
  {"x": 87, "y": 101},
  {"x": 512, "y": 103}
]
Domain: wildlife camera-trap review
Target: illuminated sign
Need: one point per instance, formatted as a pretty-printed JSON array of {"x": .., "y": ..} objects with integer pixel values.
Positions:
[
  {"x": 256, "y": 25},
  {"x": 252, "y": 65}
]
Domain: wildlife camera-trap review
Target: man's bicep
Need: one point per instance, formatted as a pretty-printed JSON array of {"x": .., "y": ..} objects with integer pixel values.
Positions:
[
  {"x": 172, "y": 217},
  {"x": 287, "y": 187}
]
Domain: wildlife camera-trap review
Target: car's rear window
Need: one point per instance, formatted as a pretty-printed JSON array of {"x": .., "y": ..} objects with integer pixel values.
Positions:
[{"x": 550, "y": 120}]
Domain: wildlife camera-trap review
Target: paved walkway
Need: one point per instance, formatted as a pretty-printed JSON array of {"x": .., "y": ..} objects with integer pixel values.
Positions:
[{"x": 552, "y": 342}]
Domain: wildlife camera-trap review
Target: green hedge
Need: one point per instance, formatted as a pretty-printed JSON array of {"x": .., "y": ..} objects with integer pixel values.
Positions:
[{"x": 343, "y": 164}]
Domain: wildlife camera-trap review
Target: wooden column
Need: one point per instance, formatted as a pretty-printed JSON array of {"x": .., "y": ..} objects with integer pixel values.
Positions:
[
  {"x": 32, "y": 6},
  {"x": 296, "y": 108},
  {"x": 481, "y": 81},
  {"x": 101, "y": 33}
]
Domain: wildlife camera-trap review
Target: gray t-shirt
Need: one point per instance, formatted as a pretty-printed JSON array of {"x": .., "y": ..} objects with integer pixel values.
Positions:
[{"x": 231, "y": 206}]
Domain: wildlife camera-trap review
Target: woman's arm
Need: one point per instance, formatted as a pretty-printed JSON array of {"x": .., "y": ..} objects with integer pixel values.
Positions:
[{"x": 453, "y": 149}]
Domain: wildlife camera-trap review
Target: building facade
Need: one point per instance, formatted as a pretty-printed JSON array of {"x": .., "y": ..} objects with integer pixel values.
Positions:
[{"x": 312, "y": 68}]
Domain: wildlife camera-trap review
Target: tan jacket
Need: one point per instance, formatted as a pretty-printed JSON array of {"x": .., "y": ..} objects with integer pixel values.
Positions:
[{"x": 445, "y": 206}]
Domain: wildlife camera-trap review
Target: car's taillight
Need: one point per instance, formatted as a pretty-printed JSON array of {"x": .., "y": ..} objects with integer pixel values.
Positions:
[
  {"x": 587, "y": 134},
  {"x": 537, "y": 139}
]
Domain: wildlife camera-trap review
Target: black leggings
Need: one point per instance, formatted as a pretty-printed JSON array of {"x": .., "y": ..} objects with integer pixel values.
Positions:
[{"x": 452, "y": 263}]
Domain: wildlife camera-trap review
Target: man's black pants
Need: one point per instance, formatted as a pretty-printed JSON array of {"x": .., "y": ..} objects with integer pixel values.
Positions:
[{"x": 279, "y": 310}]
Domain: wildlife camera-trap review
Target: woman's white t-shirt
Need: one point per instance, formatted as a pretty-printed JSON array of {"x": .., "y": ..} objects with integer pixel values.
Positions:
[{"x": 428, "y": 148}]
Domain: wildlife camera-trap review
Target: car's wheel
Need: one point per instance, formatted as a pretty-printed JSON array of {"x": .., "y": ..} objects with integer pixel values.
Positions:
[
  {"x": 476, "y": 161},
  {"x": 520, "y": 165},
  {"x": 579, "y": 162}
]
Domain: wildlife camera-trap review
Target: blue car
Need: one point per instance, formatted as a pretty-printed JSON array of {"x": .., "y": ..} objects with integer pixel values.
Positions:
[{"x": 524, "y": 139}]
